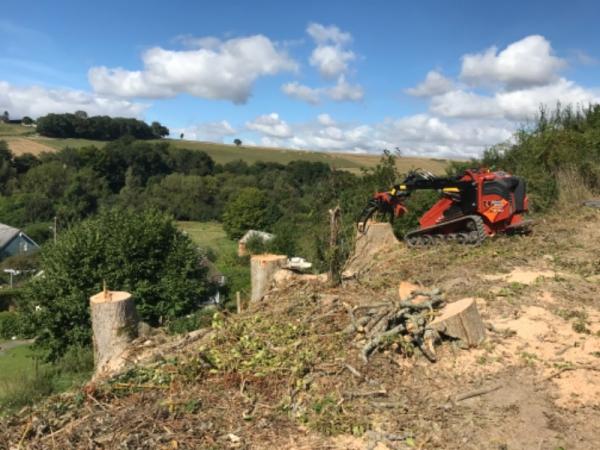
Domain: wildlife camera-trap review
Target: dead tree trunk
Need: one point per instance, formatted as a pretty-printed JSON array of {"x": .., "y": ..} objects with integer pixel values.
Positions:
[
  {"x": 114, "y": 324},
  {"x": 335, "y": 265},
  {"x": 461, "y": 320},
  {"x": 262, "y": 270}
]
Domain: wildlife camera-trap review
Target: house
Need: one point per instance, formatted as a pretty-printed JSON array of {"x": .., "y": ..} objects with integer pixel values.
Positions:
[
  {"x": 14, "y": 242},
  {"x": 251, "y": 234}
]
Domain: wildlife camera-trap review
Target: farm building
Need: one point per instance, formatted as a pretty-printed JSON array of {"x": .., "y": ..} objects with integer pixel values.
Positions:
[
  {"x": 252, "y": 234},
  {"x": 14, "y": 242}
]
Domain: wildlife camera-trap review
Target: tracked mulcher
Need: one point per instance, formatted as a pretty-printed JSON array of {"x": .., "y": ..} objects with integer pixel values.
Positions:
[{"x": 477, "y": 204}]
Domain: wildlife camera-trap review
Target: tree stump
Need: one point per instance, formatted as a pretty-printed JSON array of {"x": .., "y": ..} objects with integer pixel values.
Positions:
[
  {"x": 114, "y": 324},
  {"x": 262, "y": 270},
  {"x": 461, "y": 320}
]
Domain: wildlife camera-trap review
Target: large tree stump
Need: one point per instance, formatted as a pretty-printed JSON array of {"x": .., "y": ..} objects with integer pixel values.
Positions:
[
  {"x": 114, "y": 324},
  {"x": 262, "y": 270},
  {"x": 375, "y": 240},
  {"x": 461, "y": 320}
]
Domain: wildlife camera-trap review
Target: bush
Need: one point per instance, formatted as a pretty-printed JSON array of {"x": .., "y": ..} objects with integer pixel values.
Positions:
[
  {"x": 9, "y": 324},
  {"x": 141, "y": 253},
  {"x": 191, "y": 322},
  {"x": 249, "y": 209}
]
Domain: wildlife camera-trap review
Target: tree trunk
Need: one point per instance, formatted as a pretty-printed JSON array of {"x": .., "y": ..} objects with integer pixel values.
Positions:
[
  {"x": 461, "y": 320},
  {"x": 262, "y": 270},
  {"x": 335, "y": 275},
  {"x": 114, "y": 324}
]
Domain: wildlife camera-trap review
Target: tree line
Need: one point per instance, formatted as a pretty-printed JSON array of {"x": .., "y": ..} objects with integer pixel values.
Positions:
[{"x": 100, "y": 128}]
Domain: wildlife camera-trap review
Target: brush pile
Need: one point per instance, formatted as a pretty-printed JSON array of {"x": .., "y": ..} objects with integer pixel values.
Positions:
[{"x": 401, "y": 325}]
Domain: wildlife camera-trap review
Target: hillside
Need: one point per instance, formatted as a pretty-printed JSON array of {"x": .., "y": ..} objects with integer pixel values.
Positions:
[
  {"x": 24, "y": 140},
  {"x": 286, "y": 374}
]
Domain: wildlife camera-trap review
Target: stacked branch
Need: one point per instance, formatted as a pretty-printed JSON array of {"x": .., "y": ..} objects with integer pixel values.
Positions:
[{"x": 406, "y": 321}]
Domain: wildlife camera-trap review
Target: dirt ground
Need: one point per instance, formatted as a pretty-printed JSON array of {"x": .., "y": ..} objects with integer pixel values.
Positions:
[{"x": 279, "y": 375}]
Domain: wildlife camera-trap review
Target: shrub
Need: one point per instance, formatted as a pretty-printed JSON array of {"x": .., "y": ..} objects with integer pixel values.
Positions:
[
  {"x": 9, "y": 324},
  {"x": 140, "y": 253}
]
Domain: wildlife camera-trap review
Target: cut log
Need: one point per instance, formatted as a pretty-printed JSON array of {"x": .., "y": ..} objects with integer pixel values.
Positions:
[
  {"x": 262, "y": 270},
  {"x": 114, "y": 324},
  {"x": 461, "y": 320}
]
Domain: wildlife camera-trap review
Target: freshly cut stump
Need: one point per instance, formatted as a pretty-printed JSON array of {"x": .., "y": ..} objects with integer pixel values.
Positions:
[
  {"x": 461, "y": 320},
  {"x": 114, "y": 324},
  {"x": 262, "y": 271},
  {"x": 377, "y": 238}
]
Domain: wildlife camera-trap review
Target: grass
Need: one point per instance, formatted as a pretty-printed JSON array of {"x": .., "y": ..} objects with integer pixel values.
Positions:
[
  {"x": 9, "y": 129},
  {"x": 13, "y": 363},
  {"x": 223, "y": 251},
  {"x": 208, "y": 235},
  {"x": 23, "y": 140},
  {"x": 25, "y": 380}
]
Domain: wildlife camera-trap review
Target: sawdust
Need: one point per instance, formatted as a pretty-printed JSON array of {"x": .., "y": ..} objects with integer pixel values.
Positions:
[{"x": 522, "y": 275}]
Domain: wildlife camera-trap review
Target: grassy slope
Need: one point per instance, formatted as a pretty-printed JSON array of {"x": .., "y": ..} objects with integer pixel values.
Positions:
[{"x": 22, "y": 140}]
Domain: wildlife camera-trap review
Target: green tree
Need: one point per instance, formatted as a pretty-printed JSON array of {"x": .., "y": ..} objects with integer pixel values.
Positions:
[
  {"x": 249, "y": 209},
  {"x": 142, "y": 253}
]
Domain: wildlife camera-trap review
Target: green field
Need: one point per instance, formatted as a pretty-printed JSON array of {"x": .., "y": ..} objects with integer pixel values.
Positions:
[
  {"x": 24, "y": 140},
  {"x": 208, "y": 235}
]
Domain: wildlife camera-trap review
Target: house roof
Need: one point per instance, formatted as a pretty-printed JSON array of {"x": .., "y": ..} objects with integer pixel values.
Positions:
[
  {"x": 7, "y": 234},
  {"x": 251, "y": 233}
]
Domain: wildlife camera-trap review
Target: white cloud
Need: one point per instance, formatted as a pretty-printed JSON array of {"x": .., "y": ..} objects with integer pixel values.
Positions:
[
  {"x": 329, "y": 56},
  {"x": 417, "y": 135},
  {"x": 217, "y": 69},
  {"x": 344, "y": 91},
  {"x": 270, "y": 125},
  {"x": 528, "y": 62},
  {"x": 325, "y": 119},
  {"x": 465, "y": 104},
  {"x": 434, "y": 84},
  {"x": 35, "y": 101},
  {"x": 208, "y": 131},
  {"x": 330, "y": 60},
  {"x": 525, "y": 103},
  {"x": 515, "y": 105},
  {"x": 330, "y": 34},
  {"x": 301, "y": 92}
]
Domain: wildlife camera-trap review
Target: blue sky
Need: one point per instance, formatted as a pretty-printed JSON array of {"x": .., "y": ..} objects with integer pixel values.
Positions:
[{"x": 431, "y": 78}]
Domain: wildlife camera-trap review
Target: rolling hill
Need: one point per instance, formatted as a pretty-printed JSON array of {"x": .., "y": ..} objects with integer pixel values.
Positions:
[{"x": 24, "y": 140}]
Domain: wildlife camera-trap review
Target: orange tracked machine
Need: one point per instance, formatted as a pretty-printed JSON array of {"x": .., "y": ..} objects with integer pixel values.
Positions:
[{"x": 477, "y": 204}]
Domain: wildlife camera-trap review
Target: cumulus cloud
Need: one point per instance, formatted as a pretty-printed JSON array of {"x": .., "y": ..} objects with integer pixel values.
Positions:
[
  {"x": 328, "y": 34},
  {"x": 515, "y": 105},
  {"x": 417, "y": 135},
  {"x": 342, "y": 91},
  {"x": 208, "y": 131},
  {"x": 528, "y": 62},
  {"x": 331, "y": 60},
  {"x": 303, "y": 93},
  {"x": 434, "y": 84},
  {"x": 270, "y": 125},
  {"x": 217, "y": 69},
  {"x": 35, "y": 101},
  {"x": 329, "y": 56}
]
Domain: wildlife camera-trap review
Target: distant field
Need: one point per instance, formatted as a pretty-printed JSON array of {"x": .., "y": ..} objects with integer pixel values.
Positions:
[
  {"x": 22, "y": 140},
  {"x": 208, "y": 235}
]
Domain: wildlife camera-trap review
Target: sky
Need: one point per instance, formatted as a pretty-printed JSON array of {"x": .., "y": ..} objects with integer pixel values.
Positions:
[{"x": 430, "y": 78}]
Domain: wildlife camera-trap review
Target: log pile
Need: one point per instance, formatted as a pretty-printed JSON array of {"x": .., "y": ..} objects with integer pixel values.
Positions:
[{"x": 404, "y": 324}]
